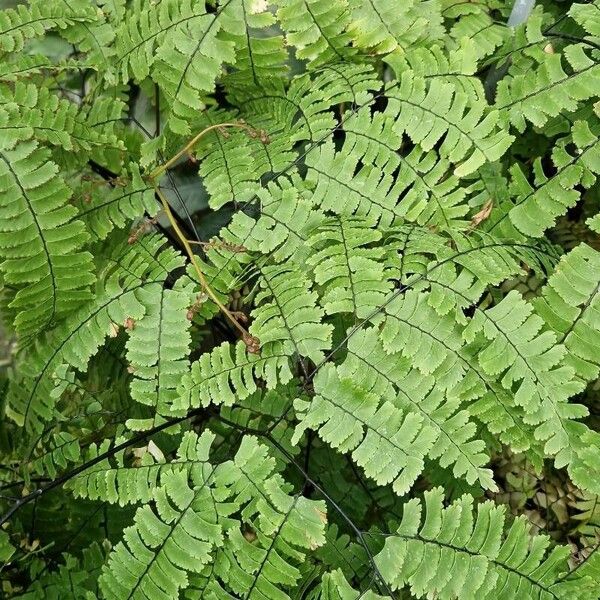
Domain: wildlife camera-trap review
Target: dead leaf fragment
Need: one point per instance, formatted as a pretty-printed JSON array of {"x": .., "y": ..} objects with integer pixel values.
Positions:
[{"x": 483, "y": 214}]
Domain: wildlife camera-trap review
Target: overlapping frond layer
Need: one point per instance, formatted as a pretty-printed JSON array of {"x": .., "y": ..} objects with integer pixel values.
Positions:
[
  {"x": 208, "y": 510},
  {"x": 445, "y": 410},
  {"x": 77, "y": 338},
  {"x": 387, "y": 213},
  {"x": 163, "y": 544}
]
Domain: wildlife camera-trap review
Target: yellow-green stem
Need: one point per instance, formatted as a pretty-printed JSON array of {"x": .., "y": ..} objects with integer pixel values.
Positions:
[
  {"x": 189, "y": 146},
  {"x": 251, "y": 342}
]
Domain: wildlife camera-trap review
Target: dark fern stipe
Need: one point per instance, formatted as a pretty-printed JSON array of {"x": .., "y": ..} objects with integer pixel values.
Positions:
[{"x": 299, "y": 300}]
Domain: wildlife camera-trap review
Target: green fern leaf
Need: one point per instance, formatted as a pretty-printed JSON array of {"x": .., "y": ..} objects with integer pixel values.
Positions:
[
  {"x": 104, "y": 211},
  {"x": 351, "y": 274},
  {"x": 569, "y": 305},
  {"x": 452, "y": 555},
  {"x": 383, "y": 28},
  {"x": 157, "y": 349},
  {"x": 447, "y": 412},
  {"x": 288, "y": 317},
  {"x": 78, "y": 337},
  {"x": 22, "y": 23},
  {"x": 120, "y": 480},
  {"x": 316, "y": 29},
  {"x": 471, "y": 134},
  {"x": 41, "y": 243},
  {"x": 164, "y": 543},
  {"x": 222, "y": 376},
  {"x": 551, "y": 89},
  {"x": 537, "y": 207},
  {"x": 387, "y": 443}
]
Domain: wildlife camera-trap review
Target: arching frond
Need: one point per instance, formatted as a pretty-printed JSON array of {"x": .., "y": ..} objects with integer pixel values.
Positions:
[
  {"x": 40, "y": 244},
  {"x": 452, "y": 554},
  {"x": 387, "y": 443},
  {"x": 228, "y": 373},
  {"x": 19, "y": 24},
  {"x": 560, "y": 83}
]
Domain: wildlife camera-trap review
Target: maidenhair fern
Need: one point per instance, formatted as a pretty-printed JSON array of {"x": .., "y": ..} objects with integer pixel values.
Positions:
[{"x": 300, "y": 299}]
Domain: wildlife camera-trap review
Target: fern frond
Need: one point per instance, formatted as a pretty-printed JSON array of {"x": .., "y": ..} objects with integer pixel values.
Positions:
[
  {"x": 287, "y": 317},
  {"x": 457, "y": 67},
  {"x": 429, "y": 193},
  {"x": 28, "y": 65},
  {"x": 78, "y": 337},
  {"x": 550, "y": 90},
  {"x": 226, "y": 164},
  {"x": 94, "y": 37},
  {"x": 61, "y": 450},
  {"x": 453, "y": 555},
  {"x": 387, "y": 443},
  {"x": 413, "y": 328},
  {"x": 259, "y": 56},
  {"x": 570, "y": 305},
  {"x": 352, "y": 275},
  {"x": 163, "y": 544},
  {"x": 316, "y": 29},
  {"x": 203, "y": 510},
  {"x": 521, "y": 354},
  {"x": 40, "y": 242},
  {"x": 445, "y": 410},
  {"x": 287, "y": 218},
  {"x": 17, "y": 25},
  {"x": 537, "y": 207},
  {"x": 479, "y": 27},
  {"x": 263, "y": 559},
  {"x": 75, "y": 577},
  {"x": 429, "y": 113},
  {"x": 381, "y": 28},
  {"x": 122, "y": 481},
  {"x": 103, "y": 211},
  {"x": 188, "y": 63},
  {"x": 588, "y": 17},
  {"x": 41, "y": 114},
  {"x": 157, "y": 351},
  {"x": 334, "y": 586},
  {"x": 228, "y": 373},
  {"x": 304, "y": 110}
]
